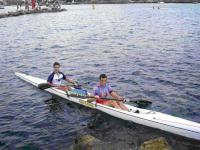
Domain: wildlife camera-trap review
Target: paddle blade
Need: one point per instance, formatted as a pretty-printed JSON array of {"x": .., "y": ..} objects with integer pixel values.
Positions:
[
  {"x": 142, "y": 103},
  {"x": 77, "y": 86},
  {"x": 44, "y": 86}
]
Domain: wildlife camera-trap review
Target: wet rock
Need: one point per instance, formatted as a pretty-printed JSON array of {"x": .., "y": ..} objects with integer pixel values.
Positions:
[
  {"x": 156, "y": 144},
  {"x": 96, "y": 121},
  {"x": 88, "y": 142}
]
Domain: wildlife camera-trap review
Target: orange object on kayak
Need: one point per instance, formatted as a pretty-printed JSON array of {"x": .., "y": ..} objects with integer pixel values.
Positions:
[
  {"x": 104, "y": 102},
  {"x": 118, "y": 105}
]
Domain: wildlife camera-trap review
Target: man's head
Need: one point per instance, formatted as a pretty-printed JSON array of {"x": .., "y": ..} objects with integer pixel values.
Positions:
[
  {"x": 103, "y": 79},
  {"x": 56, "y": 67}
]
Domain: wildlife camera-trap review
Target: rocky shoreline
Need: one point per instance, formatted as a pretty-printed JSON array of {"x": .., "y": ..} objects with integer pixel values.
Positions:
[
  {"x": 89, "y": 142},
  {"x": 25, "y": 12}
]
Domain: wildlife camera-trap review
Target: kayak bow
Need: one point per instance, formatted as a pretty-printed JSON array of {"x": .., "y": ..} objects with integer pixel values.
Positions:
[{"x": 145, "y": 117}]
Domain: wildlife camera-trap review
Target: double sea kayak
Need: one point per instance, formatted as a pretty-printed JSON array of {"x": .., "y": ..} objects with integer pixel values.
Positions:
[{"x": 144, "y": 117}]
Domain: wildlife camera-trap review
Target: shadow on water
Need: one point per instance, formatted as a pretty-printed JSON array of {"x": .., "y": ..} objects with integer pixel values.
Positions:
[
  {"x": 66, "y": 120},
  {"x": 121, "y": 134},
  {"x": 54, "y": 104},
  {"x": 128, "y": 135}
]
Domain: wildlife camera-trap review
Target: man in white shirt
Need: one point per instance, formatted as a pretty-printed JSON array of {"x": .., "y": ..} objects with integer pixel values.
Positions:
[{"x": 56, "y": 77}]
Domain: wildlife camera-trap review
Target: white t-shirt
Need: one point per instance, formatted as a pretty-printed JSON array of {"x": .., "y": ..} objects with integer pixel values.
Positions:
[{"x": 56, "y": 78}]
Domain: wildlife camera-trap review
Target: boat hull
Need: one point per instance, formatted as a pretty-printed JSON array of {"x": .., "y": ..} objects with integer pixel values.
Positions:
[{"x": 145, "y": 117}]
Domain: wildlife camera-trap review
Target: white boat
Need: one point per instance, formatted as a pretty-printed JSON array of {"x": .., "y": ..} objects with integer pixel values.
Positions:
[{"x": 145, "y": 117}]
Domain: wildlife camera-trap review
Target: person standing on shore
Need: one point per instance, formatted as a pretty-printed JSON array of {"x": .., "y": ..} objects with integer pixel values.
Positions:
[
  {"x": 17, "y": 3},
  {"x": 27, "y": 5}
]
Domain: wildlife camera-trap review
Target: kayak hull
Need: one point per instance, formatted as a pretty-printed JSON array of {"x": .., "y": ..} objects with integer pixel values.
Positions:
[{"x": 145, "y": 117}]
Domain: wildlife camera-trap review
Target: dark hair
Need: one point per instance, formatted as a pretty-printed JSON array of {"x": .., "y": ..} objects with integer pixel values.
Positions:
[
  {"x": 56, "y": 64},
  {"x": 102, "y": 76}
]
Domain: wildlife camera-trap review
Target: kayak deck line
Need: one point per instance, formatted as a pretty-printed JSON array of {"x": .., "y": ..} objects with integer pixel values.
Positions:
[
  {"x": 151, "y": 120},
  {"x": 175, "y": 122},
  {"x": 145, "y": 117}
]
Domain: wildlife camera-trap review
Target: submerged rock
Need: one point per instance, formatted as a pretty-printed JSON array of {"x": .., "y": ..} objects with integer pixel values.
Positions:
[
  {"x": 88, "y": 142},
  {"x": 156, "y": 144}
]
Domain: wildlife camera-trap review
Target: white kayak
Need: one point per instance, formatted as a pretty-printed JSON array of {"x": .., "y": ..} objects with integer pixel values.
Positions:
[{"x": 145, "y": 117}]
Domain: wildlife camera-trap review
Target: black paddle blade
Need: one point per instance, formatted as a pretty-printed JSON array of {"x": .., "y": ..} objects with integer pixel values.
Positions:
[
  {"x": 143, "y": 103},
  {"x": 77, "y": 86},
  {"x": 44, "y": 86}
]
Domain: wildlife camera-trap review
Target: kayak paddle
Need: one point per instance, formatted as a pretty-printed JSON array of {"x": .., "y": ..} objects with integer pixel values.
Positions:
[
  {"x": 138, "y": 102},
  {"x": 141, "y": 103},
  {"x": 44, "y": 86}
]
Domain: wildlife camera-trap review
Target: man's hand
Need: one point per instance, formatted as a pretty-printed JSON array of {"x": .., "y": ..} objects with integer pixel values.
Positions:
[
  {"x": 122, "y": 99},
  {"x": 71, "y": 81},
  {"x": 96, "y": 97},
  {"x": 74, "y": 82}
]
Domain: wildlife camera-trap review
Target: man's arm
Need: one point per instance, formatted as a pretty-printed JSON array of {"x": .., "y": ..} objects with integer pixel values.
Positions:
[
  {"x": 54, "y": 85},
  {"x": 95, "y": 94},
  {"x": 67, "y": 79},
  {"x": 115, "y": 95},
  {"x": 70, "y": 80},
  {"x": 50, "y": 79}
]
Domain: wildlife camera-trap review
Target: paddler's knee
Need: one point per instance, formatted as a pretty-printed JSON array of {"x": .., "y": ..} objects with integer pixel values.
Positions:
[
  {"x": 90, "y": 100},
  {"x": 64, "y": 88}
]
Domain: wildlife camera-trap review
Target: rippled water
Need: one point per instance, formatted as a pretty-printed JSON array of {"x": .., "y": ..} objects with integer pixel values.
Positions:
[{"x": 147, "y": 53}]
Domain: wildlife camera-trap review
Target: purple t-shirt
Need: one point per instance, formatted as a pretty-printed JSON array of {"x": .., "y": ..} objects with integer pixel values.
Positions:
[{"x": 103, "y": 91}]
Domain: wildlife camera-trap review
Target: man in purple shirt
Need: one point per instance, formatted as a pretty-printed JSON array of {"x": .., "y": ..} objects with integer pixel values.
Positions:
[{"x": 103, "y": 89}]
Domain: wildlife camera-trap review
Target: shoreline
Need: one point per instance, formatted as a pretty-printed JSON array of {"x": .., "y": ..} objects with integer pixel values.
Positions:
[
  {"x": 24, "y": 12},
  {"x": 134, "y": 2}
]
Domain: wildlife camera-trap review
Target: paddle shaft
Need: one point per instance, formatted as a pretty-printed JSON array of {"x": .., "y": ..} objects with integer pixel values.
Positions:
[
  {"x": 105, "y": 98},
  {"x": 47, "y": 85},
  {"x": 114, "y": 99},
  {"x": 44, "y": 86}
]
